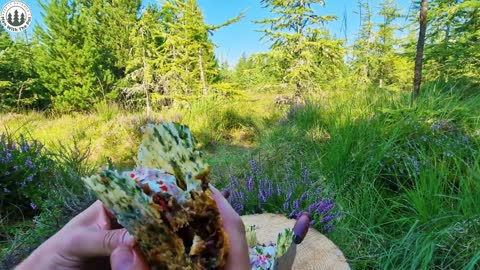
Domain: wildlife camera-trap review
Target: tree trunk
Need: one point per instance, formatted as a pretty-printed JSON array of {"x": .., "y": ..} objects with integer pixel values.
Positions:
[
  {"x": 202, "y": 73},
  {"x": 417, "y": 80},
  {"x": 144, "y": 80}
]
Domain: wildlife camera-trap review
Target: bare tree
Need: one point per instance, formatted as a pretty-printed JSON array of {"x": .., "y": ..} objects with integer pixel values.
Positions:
[{"x": 417, "y": 80}]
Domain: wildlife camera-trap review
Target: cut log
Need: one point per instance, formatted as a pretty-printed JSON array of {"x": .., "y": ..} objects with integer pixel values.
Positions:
[{"x": 316, "y": 252}]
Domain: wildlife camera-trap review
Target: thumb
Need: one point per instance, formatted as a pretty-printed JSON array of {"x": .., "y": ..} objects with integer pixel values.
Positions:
[
  {"x": 127, "y": 258},
  {"x": 94, "y": 243}
]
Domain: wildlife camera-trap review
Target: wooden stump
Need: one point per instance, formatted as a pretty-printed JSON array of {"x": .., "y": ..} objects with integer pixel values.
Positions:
[{"x": 316, "y": 252}]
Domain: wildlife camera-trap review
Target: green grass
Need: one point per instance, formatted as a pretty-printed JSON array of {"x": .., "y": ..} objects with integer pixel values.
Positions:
[{"x": 406, "y": 177}]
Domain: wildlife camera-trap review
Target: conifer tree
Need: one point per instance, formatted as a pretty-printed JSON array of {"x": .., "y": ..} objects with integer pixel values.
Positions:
[
  {"x": 19, "y": 84},
  {"x": 452, "y": 39},
  {"x": 363, "y": 49},
  {"x": 187, "y": 61},
  {"x": 142, "y": 80},
  {"x": 299, "y": 40},
  {"x": 83, "y": 49}
]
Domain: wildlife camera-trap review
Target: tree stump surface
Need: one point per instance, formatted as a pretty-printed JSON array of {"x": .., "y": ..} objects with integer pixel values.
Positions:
[{"x": 316, "y": 252}]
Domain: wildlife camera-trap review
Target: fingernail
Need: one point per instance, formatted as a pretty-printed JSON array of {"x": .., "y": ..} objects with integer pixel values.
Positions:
[
  {"x": 124, "y": 259},
  {"x": 225, "y": 193},
  {"x": 128, "y": 239}
]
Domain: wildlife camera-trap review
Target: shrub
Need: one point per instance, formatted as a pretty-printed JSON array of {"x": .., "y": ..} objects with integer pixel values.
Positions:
[
  {"x": 24, "y": 170},
  {"x": 292, "y": 197}
]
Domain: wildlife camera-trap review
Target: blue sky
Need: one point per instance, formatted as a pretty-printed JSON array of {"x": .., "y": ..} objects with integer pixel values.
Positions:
[{"x": 241, "y": 37}]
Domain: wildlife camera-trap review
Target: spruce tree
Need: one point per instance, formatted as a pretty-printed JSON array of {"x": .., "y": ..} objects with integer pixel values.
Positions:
[
  {"x": 363, "y": 48},
  {"x": 187, "y": 59},
  {"x": 300, "y": 42},
  {"x": 83, "y": 49},
  {"x": 451, "y": 51},
  {"x": 19, "y": 84}
]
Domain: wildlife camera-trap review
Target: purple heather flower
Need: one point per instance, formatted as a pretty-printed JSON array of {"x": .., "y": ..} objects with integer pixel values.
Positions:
[
  {"x": 8, "y": 157},
  {"x": 324, "y": 206},
  {"x": 312, "y": 207},
  {"x": 250, "y": 184},
  {"x": 328, "y": 227},
  {"x": 286, "y": 205},
  {"x": 296, "y": 204},
  {"x": 328, "y": 218},
  {"x": 279, "y": 190},
  {"x": 254, "y": 167},
  {"x": 269, "y": 190},
  {"x": 289, "y": 196},
  {"x": 15, "y": 168},
  {"x": 33, "y": 206},
  {"x": 25, "y": 147},
  {"x": 29, "y": 178},
  {"x": 262, "y": 196},
  {"x": 29, "y": 164},
  {"x": 304, "y": 196},
  {"x": 292, "y": 214}
]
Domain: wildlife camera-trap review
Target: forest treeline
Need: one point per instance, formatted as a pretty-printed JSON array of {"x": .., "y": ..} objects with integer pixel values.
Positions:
[{"x": 87, "y": 52}]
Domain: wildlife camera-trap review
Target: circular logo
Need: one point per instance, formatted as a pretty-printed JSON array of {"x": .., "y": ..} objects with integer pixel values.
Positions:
[{"x": 16, "y": 16}]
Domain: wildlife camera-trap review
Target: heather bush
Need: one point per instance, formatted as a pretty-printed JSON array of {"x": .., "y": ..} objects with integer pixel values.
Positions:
[
  {"x": 291, "y": 196},
  {"x": 25, "y": 169}
]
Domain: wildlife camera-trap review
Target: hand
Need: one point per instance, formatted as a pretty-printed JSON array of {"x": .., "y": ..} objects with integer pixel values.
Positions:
[
  {"x": 234, "y": 227},
  {"x": 90, "y": 237},
  {"x": 86, "y": 242}
]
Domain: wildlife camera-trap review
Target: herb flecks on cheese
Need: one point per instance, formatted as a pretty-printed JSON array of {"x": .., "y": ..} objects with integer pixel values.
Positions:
[{"x": 171, "y": 146}]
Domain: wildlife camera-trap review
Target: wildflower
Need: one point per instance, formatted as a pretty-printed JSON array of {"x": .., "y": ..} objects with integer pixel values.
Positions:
[
  {"x": 279, "y": 190},
  {"x": 328, "y": 228},
  {"x": 250, "y": 184},
  {"x": 289, "y": 196},
  {"x": 254, "y": 168},
  {"x": 25, "y": 147},
  {"x": 304, "y": 196},
  {"x": 29, "y": 178},
  {"x": 6, "y": 190},
  {"x": 324, "y": 206},
  {"x": 8, "y": 157},
  {"x": 261, "y": 196},
  {"x": 286, "y": 205},
  {"x": 33, "y": 206},
  {"x": 328, "y": 218},
  {"x": 296, "y": 204},
  {"x": 29, "y": 164},
  {"x": 305, "y": 176}
]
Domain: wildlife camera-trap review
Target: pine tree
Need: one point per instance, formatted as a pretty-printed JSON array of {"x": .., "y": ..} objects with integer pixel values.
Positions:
[
  {"x": 83, "y": 50},
  {"x": 142, "y": 80},
  {"x": 188, "y": 61},
  {"x": 364, "y": 56},
  {"x": 299, "y": 40},
  {"x": 19, "y": 84},
  {"x": 452, "y": 40},
  {"x": 393, "y": 68}
]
